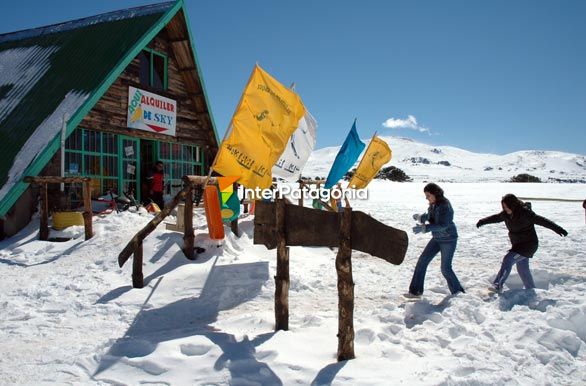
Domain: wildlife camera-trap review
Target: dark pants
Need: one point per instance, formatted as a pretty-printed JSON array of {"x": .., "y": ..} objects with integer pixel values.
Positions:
[
  {"x": 522, "y": 263},
  {"x": 157, "y": 198},
  {"x": 447, "y": 249}
]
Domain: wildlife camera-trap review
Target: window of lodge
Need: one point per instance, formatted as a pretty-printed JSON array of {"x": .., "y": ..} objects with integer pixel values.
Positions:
[
  {"x": 180, "y": 160},
  {"x": 153, "y": 69},
  {"x": 93, "y": 154}
]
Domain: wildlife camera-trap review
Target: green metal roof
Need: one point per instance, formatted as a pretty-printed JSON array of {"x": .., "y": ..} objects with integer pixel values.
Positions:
[{"x": 51, "y": 71}]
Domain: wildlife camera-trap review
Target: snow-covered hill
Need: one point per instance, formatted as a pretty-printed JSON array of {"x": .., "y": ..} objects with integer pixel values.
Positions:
[{"x": 446, "y": 163}]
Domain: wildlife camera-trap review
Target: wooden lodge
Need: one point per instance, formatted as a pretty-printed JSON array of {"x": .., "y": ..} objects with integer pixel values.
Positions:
[{"x": 114, "y": 93}]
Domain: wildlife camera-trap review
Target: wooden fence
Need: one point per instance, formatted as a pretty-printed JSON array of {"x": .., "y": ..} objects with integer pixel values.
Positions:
[{"x": 44, "y": 181}]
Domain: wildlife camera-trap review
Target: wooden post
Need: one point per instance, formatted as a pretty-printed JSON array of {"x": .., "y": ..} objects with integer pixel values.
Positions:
[
  {"x": 345, "y": 289},
  {"x": 44, "y": 226},
  {"x": 301, "y": 193},
  {"x": 234, "y": 223},
  {"x": 188, "y": 235},
  {"x": 87, "y": 206},
  {"x": 234, "y": 227},
  {"x": 282, "y": 277},
  {"x": 137, "y": 277}
]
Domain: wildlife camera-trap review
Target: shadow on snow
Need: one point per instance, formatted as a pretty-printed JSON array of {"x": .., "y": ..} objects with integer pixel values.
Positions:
[
  {"x": 423, "y": 310},
  {"x": 226, "y": 287}
]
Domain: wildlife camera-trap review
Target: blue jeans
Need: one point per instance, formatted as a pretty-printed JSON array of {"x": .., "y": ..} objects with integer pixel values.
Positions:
[
  {"x": 522, "y": 268},
  {"x": 447, "y": 249}
]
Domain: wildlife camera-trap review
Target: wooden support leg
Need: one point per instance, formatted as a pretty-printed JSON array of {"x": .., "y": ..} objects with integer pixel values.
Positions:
[
  {"x": 137, "y": 277},
  {"x": 234, "y": 227},
  {"x": 44, "y": 225},
  {"x": 345, "y": 290},
  {"x": 87, "y": 213},
  {"x": 188, "y": 235},
  {"x": 301, "y": 193},
  {"x": 234, "y": 223},
  {"x": 282, "y": 277}
]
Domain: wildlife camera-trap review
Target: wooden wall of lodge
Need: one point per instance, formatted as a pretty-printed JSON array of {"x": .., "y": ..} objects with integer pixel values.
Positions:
[{"x": 193, "y": 122}]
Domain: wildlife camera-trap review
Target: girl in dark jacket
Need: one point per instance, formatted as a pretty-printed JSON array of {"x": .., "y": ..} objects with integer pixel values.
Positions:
[
  {"x": 520, "y": 221},
  {"x": 439, "y": 219}
]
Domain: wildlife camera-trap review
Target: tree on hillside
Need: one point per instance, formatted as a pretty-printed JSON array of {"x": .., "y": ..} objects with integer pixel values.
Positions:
[
  {"x": 524, "y": 177},
  {"x": 390, "y": 173},
  {"x": 393, "y": 173}
]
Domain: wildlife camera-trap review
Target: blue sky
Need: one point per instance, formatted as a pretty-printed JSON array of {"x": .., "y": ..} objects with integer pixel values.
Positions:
[{"x": 487, "y": 76}]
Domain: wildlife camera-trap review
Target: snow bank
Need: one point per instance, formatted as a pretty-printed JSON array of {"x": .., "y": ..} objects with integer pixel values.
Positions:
[{"x": 70, "y": 316}]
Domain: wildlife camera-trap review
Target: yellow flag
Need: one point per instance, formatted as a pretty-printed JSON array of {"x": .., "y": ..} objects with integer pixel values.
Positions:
[
  {"x": 377, "y": 154},
  {"x": 265, "y": 119}
]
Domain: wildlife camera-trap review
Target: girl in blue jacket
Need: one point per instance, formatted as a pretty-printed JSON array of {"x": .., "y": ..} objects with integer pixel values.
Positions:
[{"x": 439, "y": 219}]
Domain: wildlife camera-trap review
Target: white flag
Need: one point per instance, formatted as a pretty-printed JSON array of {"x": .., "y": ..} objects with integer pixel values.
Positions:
[{"x": 298, "y": 150}]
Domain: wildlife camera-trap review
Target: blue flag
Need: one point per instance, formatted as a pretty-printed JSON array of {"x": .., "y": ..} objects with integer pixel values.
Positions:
[{"x": 347, "y": 156}]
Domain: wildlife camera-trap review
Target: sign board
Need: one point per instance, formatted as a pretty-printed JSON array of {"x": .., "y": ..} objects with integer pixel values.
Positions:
[
  {"x": 317, "y": 228},
  {"x": 151, "y": 112}
]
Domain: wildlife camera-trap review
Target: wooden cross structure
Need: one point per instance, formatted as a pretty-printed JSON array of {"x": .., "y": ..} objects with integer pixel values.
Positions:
[{"x": 279, "y": 225}]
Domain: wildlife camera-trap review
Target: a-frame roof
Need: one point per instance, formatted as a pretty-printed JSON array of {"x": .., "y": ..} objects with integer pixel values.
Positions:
[{"x": 58, "y": 72}]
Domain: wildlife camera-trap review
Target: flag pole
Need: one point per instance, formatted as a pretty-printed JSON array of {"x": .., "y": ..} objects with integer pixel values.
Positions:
[
  {"x": 353, "y": 125},
  {"x": 362, "y": 159},
  {"x": 292, "y": 87},
  {"x": 358, "y": 167},
  {"x": 230, "y": 126}
]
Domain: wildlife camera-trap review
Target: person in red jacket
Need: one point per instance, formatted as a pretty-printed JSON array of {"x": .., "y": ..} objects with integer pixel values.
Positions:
[{"x": 156, "y": 184}]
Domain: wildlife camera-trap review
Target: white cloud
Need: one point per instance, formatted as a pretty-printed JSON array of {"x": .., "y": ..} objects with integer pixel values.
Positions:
[{"x": 409, "y": 123}]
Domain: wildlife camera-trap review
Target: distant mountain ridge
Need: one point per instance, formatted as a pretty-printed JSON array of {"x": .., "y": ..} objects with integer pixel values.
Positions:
[{"x": 424, "y": 162}]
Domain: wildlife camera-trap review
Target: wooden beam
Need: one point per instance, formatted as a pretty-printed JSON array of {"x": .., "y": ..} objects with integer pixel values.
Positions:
[
  {"x": 134, "y": 243},
  {"x": 200, "y": 180},
  {"x": 234, "y": 223},
  {"x": 301, "y": 195},
  {"x": 319, "y": 228},
  {"x": 345, "y": 290},
  {"x": 282, "y": 276},
  {"x": 87, "y": 206},
  {"x": 55, "y": 179},
  {"x": 137, "y": 276},
  {"x": 234, "y": 227},
  {"x": 44, "y": 223},
  {"x": 188, "y": 234}
]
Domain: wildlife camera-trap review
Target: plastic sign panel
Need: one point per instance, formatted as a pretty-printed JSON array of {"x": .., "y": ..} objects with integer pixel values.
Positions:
[{"x": 151, "y": 112}]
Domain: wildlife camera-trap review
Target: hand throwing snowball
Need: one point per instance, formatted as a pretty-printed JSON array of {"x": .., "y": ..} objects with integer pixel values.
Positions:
[
  {"x": 520, "y": 221},
  {"x": 439, "y": 220}
]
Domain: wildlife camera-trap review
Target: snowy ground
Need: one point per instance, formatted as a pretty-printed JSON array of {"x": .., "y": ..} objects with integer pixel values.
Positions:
[{"x": 69, "y": 316}]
